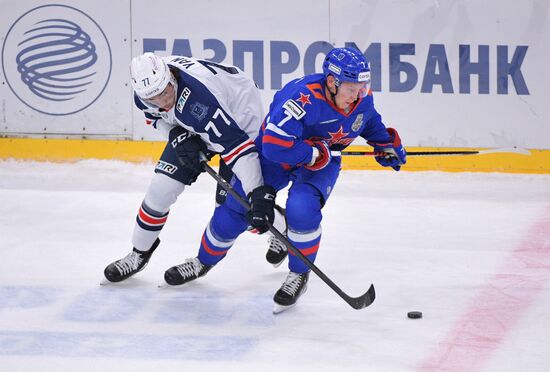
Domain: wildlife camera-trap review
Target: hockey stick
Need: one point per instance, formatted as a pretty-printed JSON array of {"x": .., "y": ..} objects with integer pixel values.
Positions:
[
  {"x": 514, "y": 150},
  {"x": 355, "y": 302}
]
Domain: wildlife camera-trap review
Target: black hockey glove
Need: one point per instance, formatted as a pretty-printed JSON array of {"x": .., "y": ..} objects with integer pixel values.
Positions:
[
  {"x": 188, "y": 147},
  {"x": 262, "y": 202}
]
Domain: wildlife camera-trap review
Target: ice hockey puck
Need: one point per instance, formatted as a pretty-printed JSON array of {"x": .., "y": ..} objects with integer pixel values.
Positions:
[{"x": 414, "y": 314}]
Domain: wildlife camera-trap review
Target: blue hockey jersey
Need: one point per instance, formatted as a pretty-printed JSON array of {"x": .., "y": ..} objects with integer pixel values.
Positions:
[{"x": 300, "y": 111}]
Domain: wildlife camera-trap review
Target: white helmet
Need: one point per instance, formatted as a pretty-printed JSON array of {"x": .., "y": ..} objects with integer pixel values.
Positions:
[{"x": 150, "y": 75}]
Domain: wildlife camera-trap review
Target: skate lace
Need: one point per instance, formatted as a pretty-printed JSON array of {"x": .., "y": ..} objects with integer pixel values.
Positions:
[
  {"x": 129, "y": 263},
  {"x": 276, "y": 245},
  {"x": 191, "y": 267},
  {"x": 292, "y": 283}
]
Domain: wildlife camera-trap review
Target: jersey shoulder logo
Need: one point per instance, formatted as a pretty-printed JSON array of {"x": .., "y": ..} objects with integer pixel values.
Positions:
[
  {"x": 183, "y": 99},
  {"x": 294, "y": 109}
]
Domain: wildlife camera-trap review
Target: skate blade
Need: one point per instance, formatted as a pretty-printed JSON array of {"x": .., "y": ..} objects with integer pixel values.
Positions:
[
  {"x": 167, "y": 286},
  {"x": 277, "y": 309},
  {"x": 105, "y": 282},
  {"x": 276, "y": 265}
]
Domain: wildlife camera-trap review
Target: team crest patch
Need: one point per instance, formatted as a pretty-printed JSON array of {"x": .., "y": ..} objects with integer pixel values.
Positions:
[
  {"x": 294, "y": 109},
  {"x": 357, "y": 123},
  {"x": 183, "y": 99},
  {"x": 166, "y": 167},
  {"x": 199, "y": 111}
]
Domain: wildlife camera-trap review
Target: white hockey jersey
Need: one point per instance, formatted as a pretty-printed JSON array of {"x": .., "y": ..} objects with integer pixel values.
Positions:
[{"x": 220, "y": 104}]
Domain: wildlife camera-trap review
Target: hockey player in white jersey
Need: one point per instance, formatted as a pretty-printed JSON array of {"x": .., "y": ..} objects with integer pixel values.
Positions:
[{"x": 201, "y": 107}]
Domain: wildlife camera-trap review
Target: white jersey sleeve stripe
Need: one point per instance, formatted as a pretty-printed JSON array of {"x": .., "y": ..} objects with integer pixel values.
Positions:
[
  {"x": 296, "y": 237},
  {"x": 218, "y": 243},
  {"x": 279, "y": 131}
]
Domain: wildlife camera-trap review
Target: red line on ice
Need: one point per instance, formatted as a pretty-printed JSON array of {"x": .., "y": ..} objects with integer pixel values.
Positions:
[{"x": 498, "y": 307}]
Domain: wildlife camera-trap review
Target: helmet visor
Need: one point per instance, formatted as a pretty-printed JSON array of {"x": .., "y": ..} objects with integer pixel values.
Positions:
[
  {"x": 165, "y": 100},
  {"x": 359, "y": 90}
]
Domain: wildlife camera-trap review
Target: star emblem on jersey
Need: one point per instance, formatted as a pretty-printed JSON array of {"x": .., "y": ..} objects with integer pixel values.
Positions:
[
  {"x": 304, "y": 99},
  {"x": 339, "y": 138}
]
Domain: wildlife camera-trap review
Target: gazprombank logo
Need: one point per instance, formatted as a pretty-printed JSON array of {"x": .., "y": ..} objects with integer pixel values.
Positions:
[{"x": 56, "y": 59}]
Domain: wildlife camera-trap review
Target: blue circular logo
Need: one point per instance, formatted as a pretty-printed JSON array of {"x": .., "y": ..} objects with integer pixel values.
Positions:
[{"x": 56, "y": 59}]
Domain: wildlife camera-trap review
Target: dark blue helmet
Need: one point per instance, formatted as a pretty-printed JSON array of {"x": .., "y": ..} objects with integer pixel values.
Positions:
[{"x": 347, "y": 64}]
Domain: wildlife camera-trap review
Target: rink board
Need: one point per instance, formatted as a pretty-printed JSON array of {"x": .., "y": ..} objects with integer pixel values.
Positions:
[
  {"x": 60, "y": 150},
  {"x": 469, "y": 74}
]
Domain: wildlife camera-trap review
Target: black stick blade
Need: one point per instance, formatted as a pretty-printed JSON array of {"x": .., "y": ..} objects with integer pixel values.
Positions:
[{"x": 363, "y": 301}]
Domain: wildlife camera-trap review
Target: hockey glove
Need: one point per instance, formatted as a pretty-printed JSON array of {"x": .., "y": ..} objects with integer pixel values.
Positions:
[
  {"x": 188, "y": 147},
  {"x": 321, "y": 155},
  {"x": 262, "y": 202},
  {"x": 391, "y": 154}
]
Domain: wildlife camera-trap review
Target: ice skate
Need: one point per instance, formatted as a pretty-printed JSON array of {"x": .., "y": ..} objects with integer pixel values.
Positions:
[
  {"x": 133, "y": 263},
  {"x": 294, "y": 286},
  {"x": 277, "y": 251},
  {"x": 190, "y": 270}
]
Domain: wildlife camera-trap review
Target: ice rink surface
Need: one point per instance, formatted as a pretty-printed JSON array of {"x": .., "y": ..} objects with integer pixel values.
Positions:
[{"x": 471, "y": 251}]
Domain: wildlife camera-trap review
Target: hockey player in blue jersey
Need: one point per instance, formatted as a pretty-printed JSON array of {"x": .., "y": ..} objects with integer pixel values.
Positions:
[
  {"x": 309, "y": 120},
  {"x": 201, "y": 107}
]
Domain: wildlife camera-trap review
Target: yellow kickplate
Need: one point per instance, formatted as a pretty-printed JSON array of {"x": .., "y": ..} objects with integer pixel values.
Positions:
[{"x": 67, "y": 150}]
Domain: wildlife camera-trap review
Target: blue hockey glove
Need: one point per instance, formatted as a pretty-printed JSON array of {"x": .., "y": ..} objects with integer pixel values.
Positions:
[
  {"x": 391, "y": 154},
  {"x": 323, "y": 155},
  {"x": 262, "y": 203},
  {"x": 188, "y": 146}
]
